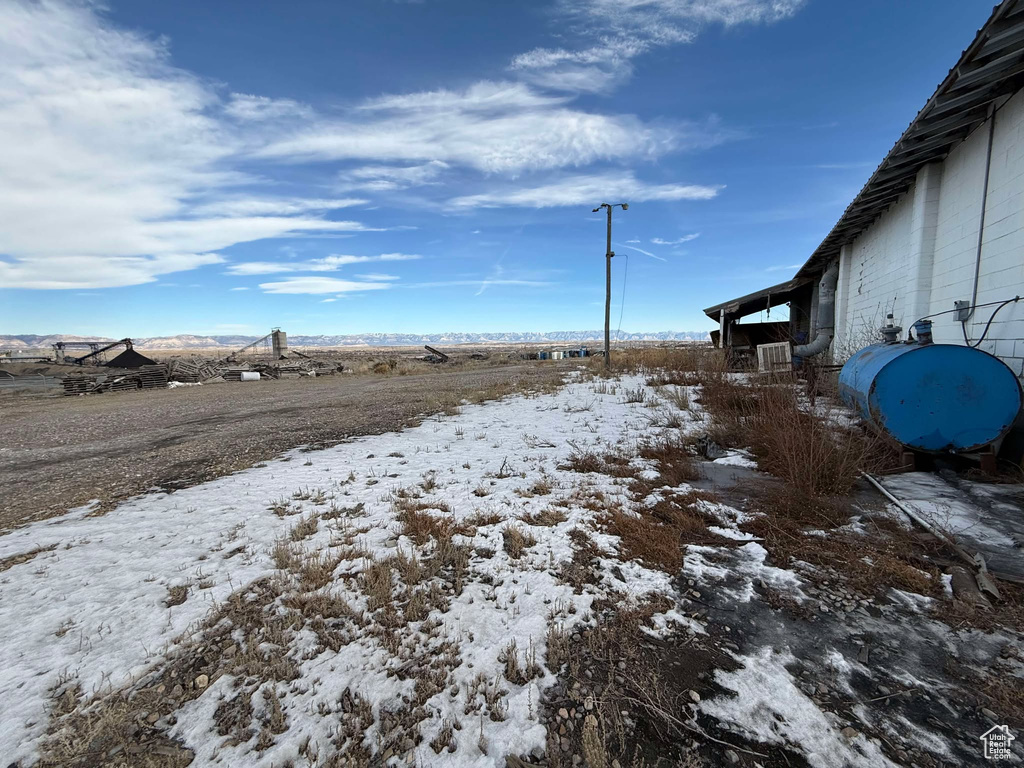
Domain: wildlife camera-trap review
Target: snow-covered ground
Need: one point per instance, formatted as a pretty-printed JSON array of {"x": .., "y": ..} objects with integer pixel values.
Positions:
[
  {"x": 92, "y": 604},
  {"x": 99, "y": 603}
]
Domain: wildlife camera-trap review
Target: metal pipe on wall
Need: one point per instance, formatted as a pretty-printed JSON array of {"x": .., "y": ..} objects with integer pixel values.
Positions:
[
  {"x": 984, "y": 205},
  {"x": 825, "y": 320}
]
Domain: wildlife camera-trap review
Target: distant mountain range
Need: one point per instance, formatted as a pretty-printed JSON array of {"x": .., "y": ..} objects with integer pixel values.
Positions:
[{"x": 359, "y": 340}]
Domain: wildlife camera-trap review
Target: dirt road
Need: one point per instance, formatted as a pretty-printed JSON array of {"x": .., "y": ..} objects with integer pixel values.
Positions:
[{"x": 59, "y": 453}]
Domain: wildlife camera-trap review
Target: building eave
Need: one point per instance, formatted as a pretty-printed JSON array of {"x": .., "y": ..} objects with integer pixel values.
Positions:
[
  {"x": 766, "y": 298},
  {"x": 990, "y": 68}
]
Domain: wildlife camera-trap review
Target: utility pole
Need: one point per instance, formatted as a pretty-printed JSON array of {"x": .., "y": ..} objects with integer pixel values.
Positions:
[{"x": 608, "y": 254}]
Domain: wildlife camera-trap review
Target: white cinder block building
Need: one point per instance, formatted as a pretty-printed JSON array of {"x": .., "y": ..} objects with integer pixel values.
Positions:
[{"x": 940, "y": 221}]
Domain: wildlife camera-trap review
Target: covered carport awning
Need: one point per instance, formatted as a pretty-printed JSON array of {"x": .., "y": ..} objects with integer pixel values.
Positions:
[{"x": 766, "y": 298}]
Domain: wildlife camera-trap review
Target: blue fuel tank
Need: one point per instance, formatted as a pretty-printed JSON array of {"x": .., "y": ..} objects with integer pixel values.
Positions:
[{"x": 932, "y": 397}]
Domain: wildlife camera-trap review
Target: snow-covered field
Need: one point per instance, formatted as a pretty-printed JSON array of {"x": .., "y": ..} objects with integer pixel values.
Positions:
[
  {"x": 92, "y": 605},
  {"x": 373, "y": 632}
]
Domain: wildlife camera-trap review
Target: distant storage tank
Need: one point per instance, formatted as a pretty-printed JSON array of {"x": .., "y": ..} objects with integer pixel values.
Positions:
[{"x": 932, "y": 397}]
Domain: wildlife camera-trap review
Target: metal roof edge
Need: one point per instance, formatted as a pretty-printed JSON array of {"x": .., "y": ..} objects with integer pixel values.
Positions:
[{"x": 897, "y": 185}]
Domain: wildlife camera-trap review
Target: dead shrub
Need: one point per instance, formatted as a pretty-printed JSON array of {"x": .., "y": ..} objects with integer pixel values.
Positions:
[
  {"x": 443, "y": 738},
  {"x": 420, "y": 525},
  {"x": 612, "y": 463},
  {"x": 516, "y": 541},
  {"x": 319, "y": 605},
  {"x": 638, "y": 395},
  {"x": 176, "y": 595},
  {"x": 810, "y": 454},
  {"x": 676, "y": 465},
  {"x": 720, "y": 393},
  {"x": 515, "y": 672},
  {"x": 480, "y": 519},
  {"x": 679, "y": 396},
  {"x": 305, "y": 528},
  {"x": 557, "y": 647},
  {"x": 678, "y": 379},
  {"x": 657, "y": 536},
  {"x": 285, "y": 555},
  {"x": 409, "y": 568},
  {"x": 665, "y": 361},
  {"x": 316, "y": 571},
  {"x": 546, "y": 517},
  {"x": 541, "y": 487},
  {"x": 580, "y": 570},
  {"x": 334, "y": 512},
  {"x": 871, "y": 562},
  {"x": 582, "y": 462},
  {"x": 88, "y": 735},
  {"x": 377, "y": 584}
]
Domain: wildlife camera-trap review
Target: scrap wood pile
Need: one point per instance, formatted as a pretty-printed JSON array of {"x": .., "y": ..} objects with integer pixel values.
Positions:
[
  {"x": 197, "y": 370},
  {"x": 145, "y": 377},
  {"x": 193, "y": 371},
  {"x": 293, "y": 369}
]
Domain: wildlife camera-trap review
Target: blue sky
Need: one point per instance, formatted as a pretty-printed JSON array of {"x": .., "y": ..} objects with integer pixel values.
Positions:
[{"x": 373, "y": 165}]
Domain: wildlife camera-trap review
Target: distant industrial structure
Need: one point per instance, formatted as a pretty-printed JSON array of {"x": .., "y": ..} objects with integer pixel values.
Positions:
[{"x": 937, "y": 231}]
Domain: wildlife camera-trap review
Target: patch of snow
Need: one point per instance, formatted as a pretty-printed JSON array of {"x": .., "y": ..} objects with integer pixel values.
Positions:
[
  {"x": 769, "y": 707},
  {"x": 737, "y": 459}
]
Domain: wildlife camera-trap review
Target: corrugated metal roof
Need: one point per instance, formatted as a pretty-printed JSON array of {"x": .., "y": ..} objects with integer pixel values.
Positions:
[
  {"x": 991, "y": 67},
  {"x": 755, "y": 302}
]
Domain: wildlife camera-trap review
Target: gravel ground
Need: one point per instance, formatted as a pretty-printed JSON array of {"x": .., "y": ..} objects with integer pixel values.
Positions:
[{"x": 59, "y": 453}]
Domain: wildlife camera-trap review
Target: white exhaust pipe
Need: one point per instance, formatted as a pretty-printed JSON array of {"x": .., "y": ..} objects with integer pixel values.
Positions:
[{"x": 826, "y": 320}]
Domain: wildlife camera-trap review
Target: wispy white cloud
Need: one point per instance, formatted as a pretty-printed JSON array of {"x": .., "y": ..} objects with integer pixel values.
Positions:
[
  {"x": 480, "y": 283},
  {"x": 585, "y": 190},
  {"x": 494, "y": 127},
  {"x": 248, "y": 107},
  {"x": 319, "y": 285},
  {"x": 645, "y": 253},
  {"x": 595, "y": 69},
  {"x": 387, "y": 178},
  {"x": 677, "y": 241},
  {"x": 240, "y": 288},
  {"x": 262, "y": 206},
  {"x": 128, "y": 168},
  {"x": 663, "y": 21},
  {"x": 324, "y": 264},
  {"x": 845, "y": 166},
  {"x": 614, "y": 32},
  {"x": 378, "y": 276},
  {"x": 781, "y": 267},
  {"x": 117, "y": 152}
]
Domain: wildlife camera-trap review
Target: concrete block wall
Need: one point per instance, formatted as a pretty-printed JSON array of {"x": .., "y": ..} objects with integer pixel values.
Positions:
[
  {"x": 920, "y": 254},
  {"x": 873, "y": 279}
]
